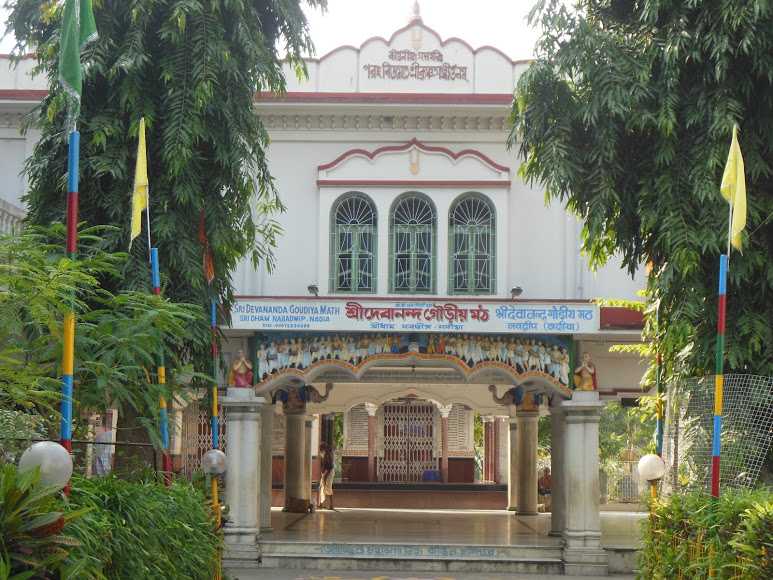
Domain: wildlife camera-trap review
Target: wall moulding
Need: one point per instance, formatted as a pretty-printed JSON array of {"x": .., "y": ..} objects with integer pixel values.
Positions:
[{"x": 388, "y": 123}]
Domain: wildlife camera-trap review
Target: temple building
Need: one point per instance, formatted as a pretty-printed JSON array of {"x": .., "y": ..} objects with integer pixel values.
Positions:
[{"x": 422, "y": 291}]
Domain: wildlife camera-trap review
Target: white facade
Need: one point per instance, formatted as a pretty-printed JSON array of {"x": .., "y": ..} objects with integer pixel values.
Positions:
[{"x": 399, "y": 135}]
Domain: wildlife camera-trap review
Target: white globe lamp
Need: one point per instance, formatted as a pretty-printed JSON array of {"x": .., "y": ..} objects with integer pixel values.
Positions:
[
  {"x": 54, "y": 461},
  {"x": 213, "y": 462},
  {"x": 651, "y": 467}
]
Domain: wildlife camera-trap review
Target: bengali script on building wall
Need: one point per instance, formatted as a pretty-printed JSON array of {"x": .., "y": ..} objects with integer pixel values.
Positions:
[{"x": 419, "y": 65}]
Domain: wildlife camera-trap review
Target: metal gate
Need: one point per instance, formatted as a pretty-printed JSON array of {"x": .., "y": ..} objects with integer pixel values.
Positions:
[
  {"x": 196, "y": 436},
  {"x": 408, "y": 441}
]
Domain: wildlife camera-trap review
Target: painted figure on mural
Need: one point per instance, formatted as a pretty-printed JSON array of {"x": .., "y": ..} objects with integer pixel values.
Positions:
[
  {"x": 563, "y": 372},
  {"x": 544, "y": 358},
  {"x": 262, "y": 356},
  {"x": 520, "y": 357},
  {"x": 534, "y": 360},
  {"x": 241, "y": 371},
  {"x": 554, "y": 369},
  {"x": 585, "y": 374}
]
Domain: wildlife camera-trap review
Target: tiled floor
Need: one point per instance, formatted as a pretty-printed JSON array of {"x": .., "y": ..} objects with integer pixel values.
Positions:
[{"x": 439, "y": 527}]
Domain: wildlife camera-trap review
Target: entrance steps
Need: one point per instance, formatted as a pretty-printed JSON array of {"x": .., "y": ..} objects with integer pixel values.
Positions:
[{"x": 411, "y": 557}]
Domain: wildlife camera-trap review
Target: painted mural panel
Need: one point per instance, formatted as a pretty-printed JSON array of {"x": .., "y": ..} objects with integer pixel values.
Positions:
[{"x": 279, "y": 353}]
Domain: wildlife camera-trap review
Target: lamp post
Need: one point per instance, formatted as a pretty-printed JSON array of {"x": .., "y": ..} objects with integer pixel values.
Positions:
[
  {"x": 213, "y": 464},
  {"x": 53, "y": 460},
  {"x": 651, "y": 469}
]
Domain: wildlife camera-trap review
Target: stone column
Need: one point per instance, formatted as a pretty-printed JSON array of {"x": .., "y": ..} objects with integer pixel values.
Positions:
[
  {"x": 583, "y": 554},
  {"x": 307, "y": 459},
  {"x": 266, "y": 467},
  {"x": 503, "y": 454},
  {"x": 445, "y": 411},
  {"x": 295, "y": 438},
  {"x": 242, "y": 478},
  {"x": 527, "y": 462},
  {"x": 488, "y": 448},
  {"x": 371, "y": 409},
  {"x": 512, "y": 482},
  {"x": 558, "y": 480}
]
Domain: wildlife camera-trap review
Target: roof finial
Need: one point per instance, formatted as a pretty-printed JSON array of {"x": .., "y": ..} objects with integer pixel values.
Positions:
[{"x": 416, "y": 12}]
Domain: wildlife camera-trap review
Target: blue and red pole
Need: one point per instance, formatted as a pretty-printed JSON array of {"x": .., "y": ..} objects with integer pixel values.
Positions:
[
  {"x": 166, "y": 461},
  {"x": 71, "y": 247},
  {"x": 215, "y": 419},
  {"x": 719, "y": 379}
]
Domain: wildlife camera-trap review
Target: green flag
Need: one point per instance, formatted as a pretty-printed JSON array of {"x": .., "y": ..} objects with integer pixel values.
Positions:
[{"x": 78, "y": 29}]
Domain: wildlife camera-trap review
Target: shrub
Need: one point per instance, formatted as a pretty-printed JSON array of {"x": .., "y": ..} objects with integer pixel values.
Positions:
[
  {"x": 143, "y": 530},
  {"x": 32, "y": 522},
  {"x": 107, "y": 529},
  {"x": 694, "y": 535}
]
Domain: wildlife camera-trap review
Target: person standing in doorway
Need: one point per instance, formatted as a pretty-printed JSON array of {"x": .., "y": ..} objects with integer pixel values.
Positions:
[
  {"x": 544, "y": 488},
  {"x": 103, "y": 450},
  {"x": 326, "y": 480}
]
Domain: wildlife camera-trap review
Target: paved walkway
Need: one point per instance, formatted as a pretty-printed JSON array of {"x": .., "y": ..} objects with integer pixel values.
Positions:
[{"x": 472, "y": 527}]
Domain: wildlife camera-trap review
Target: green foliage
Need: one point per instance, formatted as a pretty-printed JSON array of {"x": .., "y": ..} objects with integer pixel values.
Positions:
[
  {"x": 624, "y": 428},
  {"x": 192, "y": 69},
  {"x": 31, "y": 522},
  {"x": 626, "y": 117},
  {"x": 143, "y": 530},
  {"x": 21, "y": 425},
  {"x": 118, "y": 336},
  {"x": 695, "y": 535},
  {"x": 106, "y": 529}
]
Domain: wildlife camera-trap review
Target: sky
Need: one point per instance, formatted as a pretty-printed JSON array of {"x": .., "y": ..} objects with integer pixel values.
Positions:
[{"x": 499, "y": 23}]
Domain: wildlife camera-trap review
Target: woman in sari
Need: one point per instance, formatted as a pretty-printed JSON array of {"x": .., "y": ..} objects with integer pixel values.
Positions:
[{"x": 327, "y": 466}]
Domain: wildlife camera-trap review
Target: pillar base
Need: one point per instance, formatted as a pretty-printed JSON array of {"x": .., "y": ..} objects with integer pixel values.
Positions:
[
  {"x": 585, "y": 562},
  {"x": 297, "y": 505},
  {"x": 241, "y": 543},
  {"x": 266, "y": 530},
  {"x": 583, "y": 554}
]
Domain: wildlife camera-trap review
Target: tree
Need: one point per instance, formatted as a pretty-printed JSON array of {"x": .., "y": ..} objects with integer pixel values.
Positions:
[
  {"x": 118, "y": 336},
  {"x": 626, "y": 117},
  {"x": 192, "y": 69}
]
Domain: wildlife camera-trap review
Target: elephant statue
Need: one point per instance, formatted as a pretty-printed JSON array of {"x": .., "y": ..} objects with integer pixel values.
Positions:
[{"x": 513, "y": 396}]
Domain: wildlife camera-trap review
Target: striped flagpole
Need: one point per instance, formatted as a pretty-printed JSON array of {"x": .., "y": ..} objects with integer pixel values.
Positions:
[
  {"x": 659, "y": 404},
  {"x": 166, "y": 462},
  {"x": 68, "y": 350},
  {"x": 213, "y": 341},
  {"x": 719, "y": 379},
  {"x": 215, "y": 420}
]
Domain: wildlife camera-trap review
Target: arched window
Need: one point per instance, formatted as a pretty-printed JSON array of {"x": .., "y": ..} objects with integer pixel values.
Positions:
[
  {"x": 353, "y": 244},
  {"x": 472, "y": 245},
  {"x": 413, "y": 226}
]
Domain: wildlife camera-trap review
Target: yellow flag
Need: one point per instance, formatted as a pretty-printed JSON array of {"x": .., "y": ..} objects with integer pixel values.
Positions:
[
  {"x": 141, "y": 185},
  {"x": 734, "y": 190}
]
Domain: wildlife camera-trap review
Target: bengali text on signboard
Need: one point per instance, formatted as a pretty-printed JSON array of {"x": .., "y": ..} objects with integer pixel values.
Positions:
[{"x": 353, "y": 315}]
